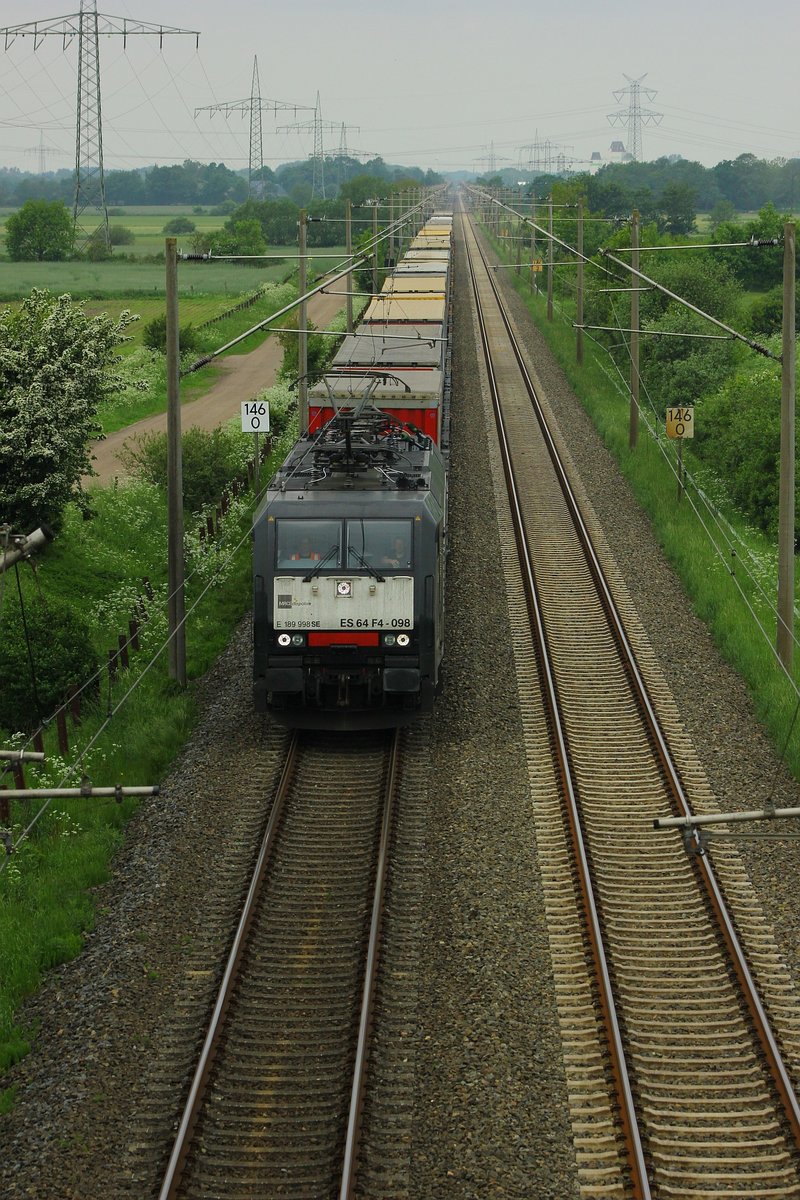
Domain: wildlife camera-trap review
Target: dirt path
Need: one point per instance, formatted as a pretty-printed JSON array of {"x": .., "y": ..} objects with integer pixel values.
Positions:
[{"x": 243, "y": 376}]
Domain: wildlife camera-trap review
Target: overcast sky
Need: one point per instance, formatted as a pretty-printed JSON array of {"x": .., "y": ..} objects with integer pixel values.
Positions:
[{"x": 425, "y": 87}]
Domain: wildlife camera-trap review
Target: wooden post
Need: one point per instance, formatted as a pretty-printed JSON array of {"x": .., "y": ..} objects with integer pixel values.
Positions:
[
  {"x": 348, "y": 279},
  {"x": 633, "y": 420},
  {"x": 550, "y": 257},
  {"x": 375, "y": 247},
  {"x": 579, "y": 298},
  {"x": 61, "y": 726},
  {"x": 177, "y": 605},
  {"x": 302, "y": 343},
  {"x": 786, "y": 513}
]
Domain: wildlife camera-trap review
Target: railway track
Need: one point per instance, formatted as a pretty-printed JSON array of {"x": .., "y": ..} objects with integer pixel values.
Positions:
[
  {"x": 679, "y": 1025},
  {"x": 274, "y": 1108}
]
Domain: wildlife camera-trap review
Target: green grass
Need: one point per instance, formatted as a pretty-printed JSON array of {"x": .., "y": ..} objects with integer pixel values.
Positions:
[
  {"x": 708, "y": 581},
  {"x": 45, "y": 901},
  {"x": 120, "y": 279}
]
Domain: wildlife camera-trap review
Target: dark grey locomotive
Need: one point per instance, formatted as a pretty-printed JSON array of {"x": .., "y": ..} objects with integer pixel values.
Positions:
[{"x": 349, "y": 554}]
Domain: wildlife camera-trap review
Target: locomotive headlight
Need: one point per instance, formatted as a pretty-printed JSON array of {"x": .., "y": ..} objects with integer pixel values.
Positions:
[
  {"x": 298, "y": 639},
  {"x": 389, "y": 639},
  {"x": 284, "y": 639},
  {"x": 403, "y": 639}
]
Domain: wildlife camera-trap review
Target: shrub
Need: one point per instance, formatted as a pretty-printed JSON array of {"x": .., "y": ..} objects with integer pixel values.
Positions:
[
  {"x": 60, "y": 645},
  {"x": 766, "y": 313},
  {"x": 154, "y": 335},
  {"x": 282, "y": 400},
  {"x": 120, "y": 235},
  {"x": 211, "y": 459},
  {"x": 97, "y": 250},
  {"x": 179, "y": 225},
  {"x": 56, "y": 368},
  {"x": 738, "y": 434}
]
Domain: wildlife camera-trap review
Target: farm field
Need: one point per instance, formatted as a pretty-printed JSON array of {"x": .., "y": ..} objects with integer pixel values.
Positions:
[{"x": 121, "y": 279}]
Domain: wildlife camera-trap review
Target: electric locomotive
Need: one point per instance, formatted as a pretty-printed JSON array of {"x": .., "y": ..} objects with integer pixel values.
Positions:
[{"x": 349, "y": 553}]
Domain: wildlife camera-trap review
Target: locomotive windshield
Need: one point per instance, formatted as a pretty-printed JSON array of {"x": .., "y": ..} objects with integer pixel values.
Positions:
[
  {"x": 306, "y": 543},
  {"x": 381, "y": 544}
]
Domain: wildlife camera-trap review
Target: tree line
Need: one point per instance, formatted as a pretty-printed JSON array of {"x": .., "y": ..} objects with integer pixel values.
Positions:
[
  {"x": 206, "y": 184},
  {"x": 42, "y": 230},
  {"x": 673, "y": 190}
]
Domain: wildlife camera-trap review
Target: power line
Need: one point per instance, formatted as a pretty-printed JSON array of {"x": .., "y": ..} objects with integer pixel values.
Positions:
[{"x": 88, "y": 26}]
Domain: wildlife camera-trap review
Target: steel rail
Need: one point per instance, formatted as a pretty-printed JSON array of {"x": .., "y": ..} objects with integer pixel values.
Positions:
[
  {"x": 725, "y": 921},
  {"x": 177, "y": 1162},
  {"x": 347, "y": 1187},
  {"x": 175, "y": 1169},
  {"x": 625, "y": 1101}
]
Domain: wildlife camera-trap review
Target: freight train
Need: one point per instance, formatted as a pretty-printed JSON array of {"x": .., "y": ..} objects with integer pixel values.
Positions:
[{"x": 350, "y": 542}]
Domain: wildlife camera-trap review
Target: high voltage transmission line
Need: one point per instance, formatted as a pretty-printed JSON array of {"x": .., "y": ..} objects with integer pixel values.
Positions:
[
  {"x": 255, "y": 106},
  {"x": 88, "y": 26}
]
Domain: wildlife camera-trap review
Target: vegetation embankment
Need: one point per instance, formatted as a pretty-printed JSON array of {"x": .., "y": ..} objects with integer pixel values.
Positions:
[
  {"x": 86, "y": 586},
  {"x": 720, "y": 537}
]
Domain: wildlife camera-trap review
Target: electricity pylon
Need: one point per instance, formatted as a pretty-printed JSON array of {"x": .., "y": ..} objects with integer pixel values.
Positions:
[
  {"x": 255, "y": 106},
  {"x": 88, "y": 26},
  {"x": 318, "y": 125},
  {"x": 42, "y": 152},
  {"x": 491, "y": 159},
  {"x": 636, "y": 116},
  {"x": 545, "y": 157}
]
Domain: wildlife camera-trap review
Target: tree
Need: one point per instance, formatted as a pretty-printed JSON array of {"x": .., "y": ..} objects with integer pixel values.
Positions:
[
  {"x": 679, "y": 206},
  {"x": 54, "y": 373},
  {"x": 739, "y": 437},
  {"x": 240, "y": 237},
  {"x": 723, "y": 210},
  {"x": 681, "y": 370},
  {"x": 42, "y": 231}
]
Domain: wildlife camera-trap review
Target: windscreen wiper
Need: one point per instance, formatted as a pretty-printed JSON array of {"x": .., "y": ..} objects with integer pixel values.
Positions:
[
  {"x": 365, "y": 564},
  {"x": 333, "y": 550}
]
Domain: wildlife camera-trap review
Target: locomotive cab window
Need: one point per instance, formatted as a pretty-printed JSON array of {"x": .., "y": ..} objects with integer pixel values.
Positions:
[
  {"x": 304, "y": 544},
  {"x": 381, "y": 545}
]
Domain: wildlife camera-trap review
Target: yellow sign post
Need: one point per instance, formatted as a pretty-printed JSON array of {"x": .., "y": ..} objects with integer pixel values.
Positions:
[{"x": 680, "y": 425}]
